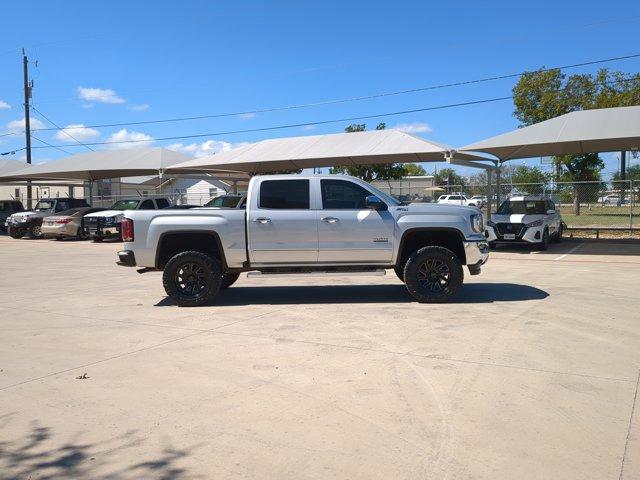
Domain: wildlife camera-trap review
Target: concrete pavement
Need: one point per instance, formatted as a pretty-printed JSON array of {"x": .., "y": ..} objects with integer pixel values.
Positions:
[{"x": 531, "y": 373}]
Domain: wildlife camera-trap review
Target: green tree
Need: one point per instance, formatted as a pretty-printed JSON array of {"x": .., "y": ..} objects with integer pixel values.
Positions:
[
  {"x": 413, "y": 169},
  {"x": 381, "y": 171},
  {"x": 448, "y": 176},
  {"x": 633, "y": 173},
  {"x": 542, "y": 95}
]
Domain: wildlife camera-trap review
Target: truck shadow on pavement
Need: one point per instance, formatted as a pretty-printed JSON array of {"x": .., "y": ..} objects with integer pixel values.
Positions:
[
  {"x": 39, "y": 454},
  {"x": 291, "y": 295}
]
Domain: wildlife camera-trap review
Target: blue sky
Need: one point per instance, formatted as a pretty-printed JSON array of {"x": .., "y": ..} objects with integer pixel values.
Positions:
[{"x": 124, "y": 61}]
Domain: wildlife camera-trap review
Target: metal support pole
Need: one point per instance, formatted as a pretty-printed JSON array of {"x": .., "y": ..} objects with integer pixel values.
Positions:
[
  {"x": 27, "y": 122},
  {"x": 489, "y": 194},
  {"x": 498, "y": 184}
]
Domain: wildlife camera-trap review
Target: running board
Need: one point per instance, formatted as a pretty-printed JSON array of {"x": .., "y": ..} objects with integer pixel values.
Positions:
[{"x": 345, "y": 273}]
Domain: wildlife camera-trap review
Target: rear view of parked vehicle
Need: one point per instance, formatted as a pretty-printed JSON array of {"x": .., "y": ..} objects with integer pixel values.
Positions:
[
  {"x": 106, "y": 223},
  {"x": 30, "y": 222},
  {"x": 532, "y": 220},
  {"x": 8, "y": 208},
  {"x": 67, "y": 224}
]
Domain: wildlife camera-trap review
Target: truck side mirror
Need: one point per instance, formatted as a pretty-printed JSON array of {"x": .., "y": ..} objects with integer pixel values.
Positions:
[{"x": 374, "y": 203}]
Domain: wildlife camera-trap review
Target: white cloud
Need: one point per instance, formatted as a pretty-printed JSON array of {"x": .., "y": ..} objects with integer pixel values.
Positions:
[
  {"x": 138, "y": 139},
  {"x": 308, "y": 128},
  {"x": 17, "y": 126},
  {"x": 247, "y": 116},
  {"x": 77, "y": 131},
  {"x": 4, "y": 105},
  {"x": 102, "y": 95},
  {"x": 415, "y": 127},
  {"x": 139, "y": 108},
  {"x": 208, "y": 147}
]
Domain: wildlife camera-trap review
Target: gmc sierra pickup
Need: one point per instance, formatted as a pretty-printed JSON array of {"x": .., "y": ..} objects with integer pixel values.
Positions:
[{"x": 304, "y": 224}]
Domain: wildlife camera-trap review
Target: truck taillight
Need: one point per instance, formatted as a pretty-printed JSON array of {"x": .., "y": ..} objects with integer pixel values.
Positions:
[
  {"x": 127, "y": 230},
  {"x": 62, "y": 221}
]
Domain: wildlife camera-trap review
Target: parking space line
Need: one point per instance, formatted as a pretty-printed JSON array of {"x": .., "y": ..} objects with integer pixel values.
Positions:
[{"x": 570, "y": 251}]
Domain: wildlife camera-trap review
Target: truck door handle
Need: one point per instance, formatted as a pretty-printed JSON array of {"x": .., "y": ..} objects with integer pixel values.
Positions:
[
  {"x": 330, "y": 220},
  {"x": 262, "y": 220}
]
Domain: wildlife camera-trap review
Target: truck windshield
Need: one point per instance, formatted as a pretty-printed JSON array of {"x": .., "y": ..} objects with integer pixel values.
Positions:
[
  {"x": 44, "y": 205},
  {"x": 522, "y": 207},
  {"x": 125, "y": 205}
]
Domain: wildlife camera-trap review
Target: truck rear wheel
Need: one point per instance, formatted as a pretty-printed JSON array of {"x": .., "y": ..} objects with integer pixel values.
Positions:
[
  {"x": 192, "y": 278},
  {"x": 433, "y": 275},
  {"x": 229, "y": 279}
]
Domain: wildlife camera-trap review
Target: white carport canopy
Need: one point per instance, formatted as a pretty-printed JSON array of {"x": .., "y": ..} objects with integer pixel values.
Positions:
[
  {"x": 587, "y": 131},
  {"x": 358, "y": 148},
  {"x": 100, "y": 165},
  {"x": 9, "y": 166}
]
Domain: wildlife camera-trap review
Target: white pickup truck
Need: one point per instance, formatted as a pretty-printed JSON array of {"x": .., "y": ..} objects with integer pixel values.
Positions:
[{"x": 307, "y": 224}]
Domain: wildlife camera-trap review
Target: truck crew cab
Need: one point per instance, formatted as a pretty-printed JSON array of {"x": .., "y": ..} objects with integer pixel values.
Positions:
[{"x": 307, "y": 223}]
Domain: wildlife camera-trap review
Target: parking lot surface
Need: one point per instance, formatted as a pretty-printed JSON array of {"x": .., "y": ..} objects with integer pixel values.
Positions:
[{"x": 531, "y": 373}]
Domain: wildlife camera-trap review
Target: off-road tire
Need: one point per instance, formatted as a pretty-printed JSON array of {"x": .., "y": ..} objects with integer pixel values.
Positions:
[
  {"x": 229, "y": 279},
  {"x": 433, "y": 275},
  {"x": 192, "y": 278},
  {"x": 17, "y": 232}
]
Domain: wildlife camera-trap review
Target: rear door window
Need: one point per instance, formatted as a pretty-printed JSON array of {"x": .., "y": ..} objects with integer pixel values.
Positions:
[
  {"x": 343, "y": 195},
  {"x": 147, "y": 205},
  {"x": 284, "y": 194}
]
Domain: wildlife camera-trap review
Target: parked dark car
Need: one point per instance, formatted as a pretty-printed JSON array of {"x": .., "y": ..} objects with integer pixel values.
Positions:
[
  {"x": 30, "y": 222},
  {"x": 8, "y": 208}
]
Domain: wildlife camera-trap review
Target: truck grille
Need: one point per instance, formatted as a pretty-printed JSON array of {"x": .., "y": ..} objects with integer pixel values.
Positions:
[{"x": 515, "y": 228}]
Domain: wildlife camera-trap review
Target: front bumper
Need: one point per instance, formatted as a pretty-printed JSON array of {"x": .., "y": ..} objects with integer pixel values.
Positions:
[
  {"x": 126, "y": 258},
  {"x": 102, "y": 231},
  {"x": 476, "y": 252},
  {"x": 526, "y": 235},
  {"x": 32, "y": 222}
]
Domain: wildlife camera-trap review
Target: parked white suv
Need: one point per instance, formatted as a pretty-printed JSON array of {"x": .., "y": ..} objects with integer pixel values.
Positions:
[
  {"x": 458, "y": 200},
  {"x": 533, "y": 220}
]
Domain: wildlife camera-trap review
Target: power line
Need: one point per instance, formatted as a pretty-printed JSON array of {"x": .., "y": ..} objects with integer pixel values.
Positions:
[
  {"x": 321, "y": 122},
  {"x": 63, "y": 130},
  {"x": 296, "y": 125},
  {"x": 50, "y": 145},
  {"x": 354, "y": 99}
]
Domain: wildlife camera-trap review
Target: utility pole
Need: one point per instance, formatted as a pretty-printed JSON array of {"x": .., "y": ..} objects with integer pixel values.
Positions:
[{"x": 27, "y": 123}]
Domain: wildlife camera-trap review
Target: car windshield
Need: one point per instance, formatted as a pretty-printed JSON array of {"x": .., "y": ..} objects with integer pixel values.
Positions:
[
  {"x": 125, "y": 205},
  {"x": 44, "y": 205},
  {"x": 522, "y": 207}
]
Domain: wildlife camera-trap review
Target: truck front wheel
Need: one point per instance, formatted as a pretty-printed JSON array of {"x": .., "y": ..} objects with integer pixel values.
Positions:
[
  {"x": 192, "y": 278},
  {"x": 433, "y": 275}
]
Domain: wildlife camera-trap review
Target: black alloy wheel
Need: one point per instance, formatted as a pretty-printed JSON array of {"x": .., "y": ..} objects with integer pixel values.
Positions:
[
  {"x": 433, "y": 274},
  {"x": 192, "y": 278}
]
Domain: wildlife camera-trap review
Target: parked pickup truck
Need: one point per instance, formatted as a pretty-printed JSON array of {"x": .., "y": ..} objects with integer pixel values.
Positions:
[
  {"x": 307, "y": 224},
  {"x": 106, "y": 223}
]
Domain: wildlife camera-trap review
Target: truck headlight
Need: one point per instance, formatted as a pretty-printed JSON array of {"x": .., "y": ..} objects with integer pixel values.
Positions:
[
  {"x": 477, "y": 223},
  {"x": 537, "y": 223}
]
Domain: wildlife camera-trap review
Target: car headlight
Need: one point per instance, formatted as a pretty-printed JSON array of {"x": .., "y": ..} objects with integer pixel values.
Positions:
[
  {"x": 537, "y": 223},
  {"x": 25, "y": 219},
  {"x": 477, "y": 223}
]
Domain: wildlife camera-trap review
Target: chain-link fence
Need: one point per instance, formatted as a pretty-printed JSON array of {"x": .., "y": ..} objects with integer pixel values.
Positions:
[{"x": 588, "y": 205}]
